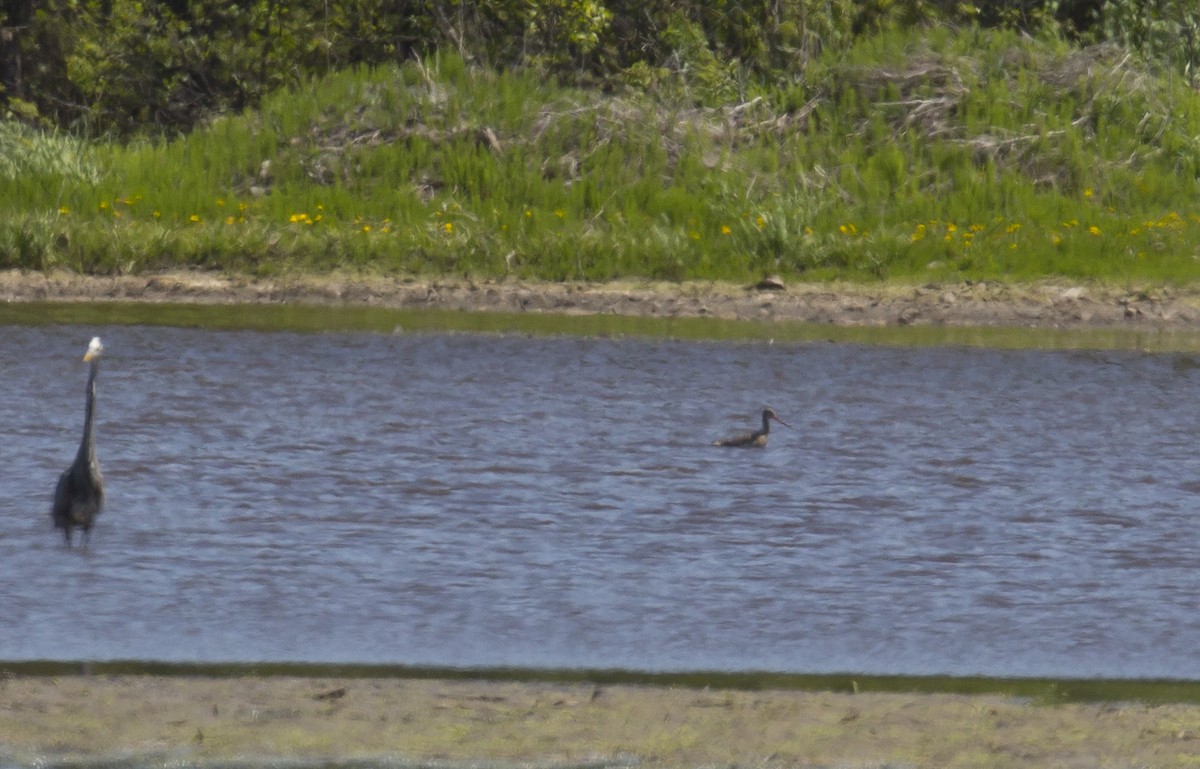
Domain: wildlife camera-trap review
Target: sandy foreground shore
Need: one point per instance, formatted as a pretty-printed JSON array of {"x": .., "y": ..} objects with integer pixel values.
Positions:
[
  {"x": 1044, "y": 304},
  {"x": 169, "y": 719}
]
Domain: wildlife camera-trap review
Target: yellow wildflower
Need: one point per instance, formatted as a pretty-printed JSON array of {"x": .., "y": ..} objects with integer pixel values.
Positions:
[{"x": 725, "y": 229}]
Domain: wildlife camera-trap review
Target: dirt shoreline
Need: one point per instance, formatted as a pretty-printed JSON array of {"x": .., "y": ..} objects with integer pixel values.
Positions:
[
  {"x": 140, "y": 719},
  {"x": 1049, "y": 304}
]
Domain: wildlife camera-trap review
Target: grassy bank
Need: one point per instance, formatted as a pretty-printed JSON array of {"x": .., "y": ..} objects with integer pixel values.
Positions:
[
  {"x": 1042, "y": 690},
  {"x": 940, "y": 155}
]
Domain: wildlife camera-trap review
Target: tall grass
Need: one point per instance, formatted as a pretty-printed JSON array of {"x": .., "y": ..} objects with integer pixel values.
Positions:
[{"x": 944, "y": 155}]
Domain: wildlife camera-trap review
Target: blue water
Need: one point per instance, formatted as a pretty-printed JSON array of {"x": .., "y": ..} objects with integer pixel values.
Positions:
[{"x": 483, "y": 500}]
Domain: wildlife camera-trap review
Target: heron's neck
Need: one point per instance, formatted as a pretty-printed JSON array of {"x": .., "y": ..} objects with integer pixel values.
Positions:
[
  {"x": 87, "y": 447},
  {"x": 766, "y": 424}
]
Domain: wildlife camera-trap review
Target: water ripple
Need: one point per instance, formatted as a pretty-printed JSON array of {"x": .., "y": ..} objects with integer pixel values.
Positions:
[{"x": 490, "y": 500}]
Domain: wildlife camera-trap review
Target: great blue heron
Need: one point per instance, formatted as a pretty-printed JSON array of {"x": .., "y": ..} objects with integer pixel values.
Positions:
[
  {"x": 80, "y": 491},
  {"x": 756, "y": 439}
]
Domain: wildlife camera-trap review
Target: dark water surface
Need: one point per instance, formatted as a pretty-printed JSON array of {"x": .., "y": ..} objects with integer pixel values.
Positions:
[{"x": 488, "y": 500}]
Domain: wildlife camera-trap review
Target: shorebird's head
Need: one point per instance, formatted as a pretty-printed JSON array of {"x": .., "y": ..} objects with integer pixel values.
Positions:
[{"x": 769, "y": 413}]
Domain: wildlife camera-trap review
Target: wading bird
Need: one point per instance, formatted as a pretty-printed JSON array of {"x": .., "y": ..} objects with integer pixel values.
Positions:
[
  {"x": 758, "y": 438},
  {"x": 80, "y": 491}
]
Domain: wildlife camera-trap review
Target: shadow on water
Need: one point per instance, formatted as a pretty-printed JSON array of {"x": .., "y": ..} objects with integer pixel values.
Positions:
[{"x": 316, "y": 318}]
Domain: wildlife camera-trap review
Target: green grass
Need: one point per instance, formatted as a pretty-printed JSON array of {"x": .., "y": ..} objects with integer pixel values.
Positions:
[
  {"x": 1045, "y": 690},
  {"x": 938, "y": 155},
  {"x": 309, "y": 318}
]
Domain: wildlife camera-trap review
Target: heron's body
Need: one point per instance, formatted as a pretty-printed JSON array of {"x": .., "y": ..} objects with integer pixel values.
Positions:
[
  {"x": 756, "y": 439},
  {"x": 79, "y": 495}
]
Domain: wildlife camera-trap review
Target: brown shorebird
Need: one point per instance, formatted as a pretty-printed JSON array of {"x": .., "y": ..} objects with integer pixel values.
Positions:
[{"x": 758, "y": 438}]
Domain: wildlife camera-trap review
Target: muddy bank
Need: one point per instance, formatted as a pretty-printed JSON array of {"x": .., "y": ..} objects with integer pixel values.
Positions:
[
  {"x": 1047, "y": 305},
  {"x": 64, "y": 719}
]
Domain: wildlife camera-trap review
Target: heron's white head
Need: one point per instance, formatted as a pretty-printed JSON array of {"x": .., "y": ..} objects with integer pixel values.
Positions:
[{"x": 94, "y": 349}]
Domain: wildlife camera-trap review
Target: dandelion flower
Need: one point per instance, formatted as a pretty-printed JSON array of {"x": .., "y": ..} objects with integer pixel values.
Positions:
[
  {"x": 448, "y": 227},
  {"x": 194, "y": 218},
  {"x": 725, "y": 230},
  {"x": 63, "y": 210},
  {"x": 1094, "y": 230}
]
